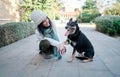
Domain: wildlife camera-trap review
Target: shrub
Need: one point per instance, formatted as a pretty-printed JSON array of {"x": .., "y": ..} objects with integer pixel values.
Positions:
[
  {"x": 57, "y": 17},
  {"x": 14, "y": 31},
  {"x": 108, "y": 24},
  {"x": 117, "y": 24}
]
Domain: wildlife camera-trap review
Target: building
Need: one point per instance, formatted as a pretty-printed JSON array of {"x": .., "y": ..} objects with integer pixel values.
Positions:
[
  {"x": 70, "y": 9},
  {"x": 9, "y": 11}
]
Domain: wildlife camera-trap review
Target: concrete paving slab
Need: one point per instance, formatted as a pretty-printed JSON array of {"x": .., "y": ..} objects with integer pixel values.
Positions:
[
  {"x": 112, "y": 63},
  {"x": 21, "y": 59},
  {"x": 64, "y": 72},
  {"x": 95, "y": 74}
]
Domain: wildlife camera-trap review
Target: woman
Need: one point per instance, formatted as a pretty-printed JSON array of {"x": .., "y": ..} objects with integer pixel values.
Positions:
[{"x": 46, "y": 31}]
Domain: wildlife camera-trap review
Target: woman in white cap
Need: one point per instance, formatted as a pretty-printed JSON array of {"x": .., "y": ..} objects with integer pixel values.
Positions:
[{"x": 46, "y": 31}]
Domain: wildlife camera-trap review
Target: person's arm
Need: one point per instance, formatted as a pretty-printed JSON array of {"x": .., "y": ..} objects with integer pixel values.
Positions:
[
  {"x": 41, "y": 37},
  {"x": 52, "y": 41},
  {"x": 59, "y": 45},
  {"x": 38, "y": 35}
]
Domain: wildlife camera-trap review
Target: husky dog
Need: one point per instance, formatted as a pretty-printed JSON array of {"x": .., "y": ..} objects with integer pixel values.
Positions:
[{"x": 79, "y": 42}]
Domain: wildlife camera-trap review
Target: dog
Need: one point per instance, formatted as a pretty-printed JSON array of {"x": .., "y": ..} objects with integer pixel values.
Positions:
[
  {"x": 45, "y": 49},
  {"x": 79, "y": 42}
]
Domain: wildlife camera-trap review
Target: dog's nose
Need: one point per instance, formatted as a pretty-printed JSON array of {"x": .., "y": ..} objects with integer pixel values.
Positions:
[{"x": 66, "y": 27}]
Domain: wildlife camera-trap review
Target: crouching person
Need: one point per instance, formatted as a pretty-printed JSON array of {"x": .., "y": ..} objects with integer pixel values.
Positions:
[{"x": 47, "y": 35}]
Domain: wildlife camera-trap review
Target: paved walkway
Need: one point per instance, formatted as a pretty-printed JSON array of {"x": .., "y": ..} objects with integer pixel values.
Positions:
[{"x": 20, "y": 59}]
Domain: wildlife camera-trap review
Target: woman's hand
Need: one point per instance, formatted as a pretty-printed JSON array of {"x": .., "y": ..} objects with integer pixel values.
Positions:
[{"x": 61, "y": 48}]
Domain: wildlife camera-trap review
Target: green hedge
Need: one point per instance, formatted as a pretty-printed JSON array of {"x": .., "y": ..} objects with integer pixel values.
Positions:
[
  {"x": 108, "y": 24},
  {"x": 14, "y": 31}
]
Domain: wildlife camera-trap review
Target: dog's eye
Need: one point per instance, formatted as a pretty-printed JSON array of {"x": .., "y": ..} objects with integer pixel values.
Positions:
[{"x": 68, "y": 23}]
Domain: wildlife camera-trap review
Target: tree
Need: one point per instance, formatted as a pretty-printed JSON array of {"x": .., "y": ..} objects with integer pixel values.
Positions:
[
  {"x": 90, "y": 11},
  {"x": 90, "y": 4},
  {"x": 113, "y": 10},
  {"x": 55, "y": 8},
  {"x": 29, "y": 5}
]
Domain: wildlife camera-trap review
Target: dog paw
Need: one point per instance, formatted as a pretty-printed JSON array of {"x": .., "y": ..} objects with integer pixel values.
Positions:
[{"x": 87, "y": 60}]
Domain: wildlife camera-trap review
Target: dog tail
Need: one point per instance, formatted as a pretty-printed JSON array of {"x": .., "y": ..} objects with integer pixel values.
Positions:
[
  {"x": 81, "y": 58},
  {"x": 85, "y": 59}
]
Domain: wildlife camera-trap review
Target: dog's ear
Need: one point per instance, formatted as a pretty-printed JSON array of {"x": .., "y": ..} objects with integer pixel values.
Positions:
[
  {"x": 70, "y": 19},
  {"x": 76, "y": 21}
]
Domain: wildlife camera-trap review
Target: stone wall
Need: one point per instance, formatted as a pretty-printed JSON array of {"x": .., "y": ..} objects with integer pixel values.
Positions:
[{"x": 9, "y": 11}]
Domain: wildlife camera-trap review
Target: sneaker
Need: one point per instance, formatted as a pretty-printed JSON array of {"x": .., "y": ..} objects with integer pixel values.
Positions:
[
  {"x": 60, "y": 57},
  {"x": 47, "y": 56}
]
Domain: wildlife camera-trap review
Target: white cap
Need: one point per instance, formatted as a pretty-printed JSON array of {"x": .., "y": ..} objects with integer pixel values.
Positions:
[{"x": 38, "y": 16}]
